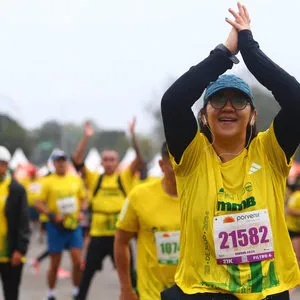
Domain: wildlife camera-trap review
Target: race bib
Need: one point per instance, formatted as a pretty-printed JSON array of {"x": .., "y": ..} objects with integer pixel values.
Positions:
[
  {"x": 243, "y": 237},
  {"x": 35, "y": 188},
  {"x": 167, "y": 245},
  {"x": 67, "y": 205}
]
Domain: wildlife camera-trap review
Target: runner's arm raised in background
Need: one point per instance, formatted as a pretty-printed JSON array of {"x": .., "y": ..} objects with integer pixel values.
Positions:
[
  {"x": 283, "y": 86},
  {"x": 176, "y": 106},
  {"x": 138, "y": 162},
  {"x": 122, "y": 260},
  {"x": 78, "y": 155}
]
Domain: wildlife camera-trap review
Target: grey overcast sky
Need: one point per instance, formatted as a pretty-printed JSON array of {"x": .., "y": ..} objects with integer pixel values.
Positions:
[{"x": 108, "y": 59}]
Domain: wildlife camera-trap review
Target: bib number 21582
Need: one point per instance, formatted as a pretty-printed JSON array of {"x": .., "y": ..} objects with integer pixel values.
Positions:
[{"x": 244, "y": 237}]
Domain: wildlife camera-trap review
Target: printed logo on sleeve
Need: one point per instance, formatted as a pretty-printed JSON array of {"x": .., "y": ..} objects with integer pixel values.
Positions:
[{"x": 254, "y": 168}]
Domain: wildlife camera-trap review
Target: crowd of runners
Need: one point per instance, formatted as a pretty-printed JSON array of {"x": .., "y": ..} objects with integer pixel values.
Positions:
[{"x": 221, "y": 223}]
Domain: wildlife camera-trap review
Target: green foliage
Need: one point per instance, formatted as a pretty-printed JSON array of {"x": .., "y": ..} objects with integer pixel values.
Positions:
[
  {"x": 39, "y": 143},
  {"x": 13, "y": 135},
  {"x": 148, "y": 147},
  {"x": 116, "y": 140},
  {"x": 49, "y": 132}
]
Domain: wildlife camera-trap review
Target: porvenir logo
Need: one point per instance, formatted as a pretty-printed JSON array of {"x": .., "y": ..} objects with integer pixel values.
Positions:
[{"x": 228, "y": 220}]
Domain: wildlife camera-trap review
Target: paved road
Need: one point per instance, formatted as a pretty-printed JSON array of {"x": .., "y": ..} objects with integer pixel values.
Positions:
[{"x": 104, "y": 286}]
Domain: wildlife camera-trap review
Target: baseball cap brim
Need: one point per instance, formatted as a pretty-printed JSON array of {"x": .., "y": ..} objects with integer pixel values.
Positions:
[
  {"x": 228, "y": 82},
  {"x": 57, "y": 157}
]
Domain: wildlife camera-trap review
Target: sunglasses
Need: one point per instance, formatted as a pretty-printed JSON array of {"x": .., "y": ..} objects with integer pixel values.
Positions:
[{"x": 238, "y": 102}]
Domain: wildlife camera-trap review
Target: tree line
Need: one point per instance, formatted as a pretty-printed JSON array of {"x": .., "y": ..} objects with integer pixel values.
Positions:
[{"x": 38, "y": 143}]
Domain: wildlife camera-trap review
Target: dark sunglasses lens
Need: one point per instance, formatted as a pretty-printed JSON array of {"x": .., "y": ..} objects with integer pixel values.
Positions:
[
  {"x": 218, "y": 101},
  {"x": 239, "y": 102}
]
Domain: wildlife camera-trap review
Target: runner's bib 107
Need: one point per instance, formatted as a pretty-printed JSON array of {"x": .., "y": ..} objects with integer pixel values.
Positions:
[
  {"x": 243, "y": 237},
  {"x": 167, "y": 245},
  {"x": 67, "y": 205}
]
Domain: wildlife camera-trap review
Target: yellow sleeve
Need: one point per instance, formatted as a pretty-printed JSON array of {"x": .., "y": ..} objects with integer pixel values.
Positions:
[
  {"x": 44, "y": 191},
  {"x": 128, "y": 219},
  {"x": 191, "y": 155},
  {"x": 274, "y": 152},
  {"x": 127, "y": 179},
  {"x": 82, "y": 194},
  {"x": 91, "y": 179}
]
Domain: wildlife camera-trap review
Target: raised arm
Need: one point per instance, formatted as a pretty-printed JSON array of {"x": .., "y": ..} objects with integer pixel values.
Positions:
[
  {"x": 78, "y": 155},
  {"x": 283, "y": 86},
  {"x": 179, "y": 122},
  {"x": 138, "y": 162}
]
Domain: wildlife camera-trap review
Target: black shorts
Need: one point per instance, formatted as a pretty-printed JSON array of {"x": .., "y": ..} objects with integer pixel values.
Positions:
[
  {"x": 98, "y": 249},
  {"x": 294, "y": 234},
  {"x": 175, "y": 293}
]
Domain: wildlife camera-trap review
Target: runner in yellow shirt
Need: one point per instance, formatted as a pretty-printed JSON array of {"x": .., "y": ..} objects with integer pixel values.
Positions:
[
  {"x": 231, "y": 182},
  {"x": 61, "y": 200},
  {"x": 107, "y": 195},
  {"x": 14, "y": 229},
  {"x": 34, "y": 192},
  {"x": 33, "y": 186},
  {"x": 151, "y": 212},
  {"x": 293, "y": 218}
]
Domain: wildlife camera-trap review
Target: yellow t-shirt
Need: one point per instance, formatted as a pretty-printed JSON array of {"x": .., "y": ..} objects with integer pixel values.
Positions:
[
  {"x": 33, "y": 189},
  {"x": 42, "y": 217},
  {"x": 4, "y": 190},
  {"x": 254, "y": 180},
  {"x": 108, "y": 202},
  {"x": 155, "y": 216},
  {"x": 293, "y": 222},
  {"x": 64, "y": 195},
  {"x": 138, "y": 181}
]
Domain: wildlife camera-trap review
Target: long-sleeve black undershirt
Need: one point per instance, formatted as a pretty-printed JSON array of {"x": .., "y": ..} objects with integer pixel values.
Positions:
[{"x": 179, "y": 121}]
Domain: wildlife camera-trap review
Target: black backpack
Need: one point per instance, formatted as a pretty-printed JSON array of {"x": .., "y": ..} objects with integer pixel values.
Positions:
[{"x": 99, "y": 183}]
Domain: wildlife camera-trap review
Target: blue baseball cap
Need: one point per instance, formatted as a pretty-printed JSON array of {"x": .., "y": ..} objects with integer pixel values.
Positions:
[
  {"x": 58, "y": 154},
  {"x": 228, "y": 82}
]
